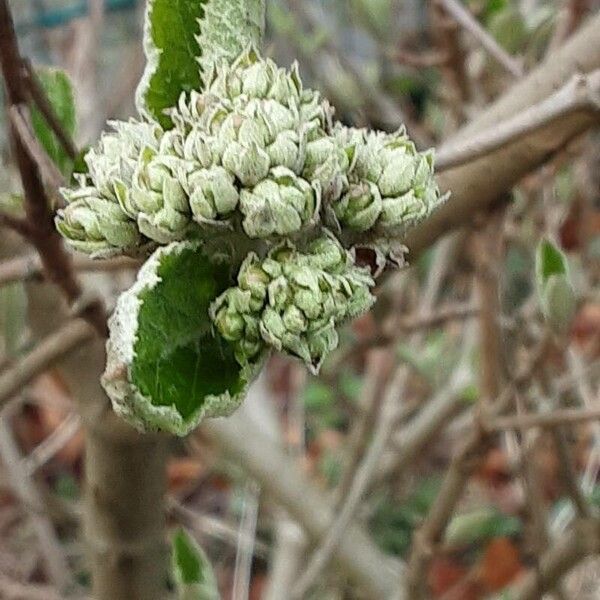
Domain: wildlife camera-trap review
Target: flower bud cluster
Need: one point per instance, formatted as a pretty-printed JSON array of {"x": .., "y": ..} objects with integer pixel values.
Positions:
[
  {"x": 293, "y": 301},
  {"x": 391, "y": 185},
  {"x": 254, "y": 152},
  {"x": 93, "y": 221}
]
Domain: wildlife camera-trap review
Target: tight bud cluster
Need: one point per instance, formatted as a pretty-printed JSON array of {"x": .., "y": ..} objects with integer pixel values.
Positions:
[
  {"x": 256, "y": 158},
  {"x": 391, "y": 185},
  {"x": 253, "y": 152},
  {"x": 293, "y": 301}
]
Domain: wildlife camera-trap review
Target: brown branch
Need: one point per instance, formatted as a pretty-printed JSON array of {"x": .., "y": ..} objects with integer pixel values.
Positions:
[
  {"x": 487, "y": 258},
  {"x": 545, "y": 420},
  {"x": 29, "y": 268},
  {"x": 581, "y": 93},
  {"x": 478, "y": 184},
  {"x": 470, "y": 24},
  {"x": 566, "y": 552},
  {"x": 48, "y": 351},
  {"x": 21, "y": 226},
  {"x": 45, "y": 238},
  {"x": 21, "y": 122}
]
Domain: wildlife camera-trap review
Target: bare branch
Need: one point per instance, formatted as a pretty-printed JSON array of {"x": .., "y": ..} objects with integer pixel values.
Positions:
[
  {"x": 581, "y": 93},
  {"x": 478, "y": 184},
  {"x": 21, "y": 121},
  {"x": 466, "y": 20},
  {"x": 29, "y": 268},
  {"x": 565, "y": 553},
  {"x": 48, "y": 351},
  {"x": 239, "y": 438}
]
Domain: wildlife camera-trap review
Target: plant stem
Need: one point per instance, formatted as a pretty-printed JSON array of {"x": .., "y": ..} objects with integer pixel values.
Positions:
[{"x": 124, "y": 517}]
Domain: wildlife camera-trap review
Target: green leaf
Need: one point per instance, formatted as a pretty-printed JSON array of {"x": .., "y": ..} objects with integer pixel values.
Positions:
[
  {"x": 166, "y": 366},
  {"x": 479, "y": 526},
  {"x": 192, "y": 570},
  {"x": 58, "y": 88},
  {"x": 228, "y": 27},
  {"x": 549, "y": 261},
  {"x": 555, "y": 291},
  {"x": 170, "y": 42},
  {"x": 180, "y": 34}
]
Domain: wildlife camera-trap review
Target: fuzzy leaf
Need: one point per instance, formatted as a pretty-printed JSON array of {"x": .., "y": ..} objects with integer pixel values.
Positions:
[
  {"x": 170, "y": 42},
  {"x": 192, "y": 570},
  {"x": 166, "y": 366},
  {"x": 58, "y": 88},
  {"x": 228, "y": 27}
]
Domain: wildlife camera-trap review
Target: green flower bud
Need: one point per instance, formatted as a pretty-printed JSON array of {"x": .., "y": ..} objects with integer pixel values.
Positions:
[
  {"x": 95, "y": 225},
  {"x": 280, "y": 205},
  {"x": 249, "y": 164},
  {"x": 213, "y": 194},
  {"x": 326, "y": 162},
  {"x": 360, "y": 207},
  {"x": 157, "y": 199},
  {"x": 308, "y": 296}
]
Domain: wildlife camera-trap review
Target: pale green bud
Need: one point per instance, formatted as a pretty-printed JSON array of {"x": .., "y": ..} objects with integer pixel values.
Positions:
[
  {"x": 360, "y": 207},
  {"x": 326, "y": 162},
  {"x": 249, "y": 164},
  {"x": 95, "y": 225},
  {"x": 282, "y": 204},
  {"x": 213, "y": 194}
]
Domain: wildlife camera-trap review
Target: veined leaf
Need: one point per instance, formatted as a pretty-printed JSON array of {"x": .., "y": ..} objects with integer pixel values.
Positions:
[
  {"x": 166, "y": 366},
  {"x": 170, "y": 41},
  {"x": 58, "y": 88},
  {"x": 228, "y": 27},
  {"x": 180, "y": 34},
  {"x": 192, "y": 570}
]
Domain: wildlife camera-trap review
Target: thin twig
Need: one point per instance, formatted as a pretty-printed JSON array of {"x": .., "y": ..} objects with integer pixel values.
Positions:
[
  {"x": 545, "y": 420},
  {"x": 245, "y": 545},
  {"x": 213, "y": 527},
  {"x": 470, "y": 24},
  {"x": 29, "y": 268},
  {"x": 581, "y": 93},
  {"x": 21, "y": 121},
  {"x": 44, "y": 451},
  {"x": 37, "y": 205},
  {"x": 66, "y": 339},
  {"x": 566, "y": 552},
  {"x": 25, "y": 489}
]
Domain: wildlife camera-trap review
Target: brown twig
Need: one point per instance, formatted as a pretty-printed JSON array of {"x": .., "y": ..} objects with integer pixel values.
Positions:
[
  {"x": 473, "y": 187},
  {"x": 45, "y": 238},
  {"x": 581, "y": 93},
  {"x": 564, "y": 554},
  {"x": 48, "y": 351},
  {"x": 470, "y": 24},
  {"x": 544, "y": 420},
  {"x": 29, "y": 268},
  {"x": 21, "y": 121}
]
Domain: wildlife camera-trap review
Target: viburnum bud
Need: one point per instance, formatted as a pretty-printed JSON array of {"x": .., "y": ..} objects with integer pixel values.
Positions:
[
  {"x": 293, "y": 301},
  {"x": 213, "y": 195},
  {"x": 97, "y": 226},
  {"x": 158, "y": 200},
  {"x": 279, "y": 205}
]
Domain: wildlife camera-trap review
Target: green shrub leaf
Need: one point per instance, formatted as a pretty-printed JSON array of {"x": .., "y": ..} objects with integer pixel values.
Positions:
[
  {"x": 170, "y": 42},
  {"x": 181, "y": 35},
  {"x": 167, "y": 368},
  {"x": 192, "y": 570},
  {"x": 555, "y": 291},
  {"x": 58, "y": 88}
]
